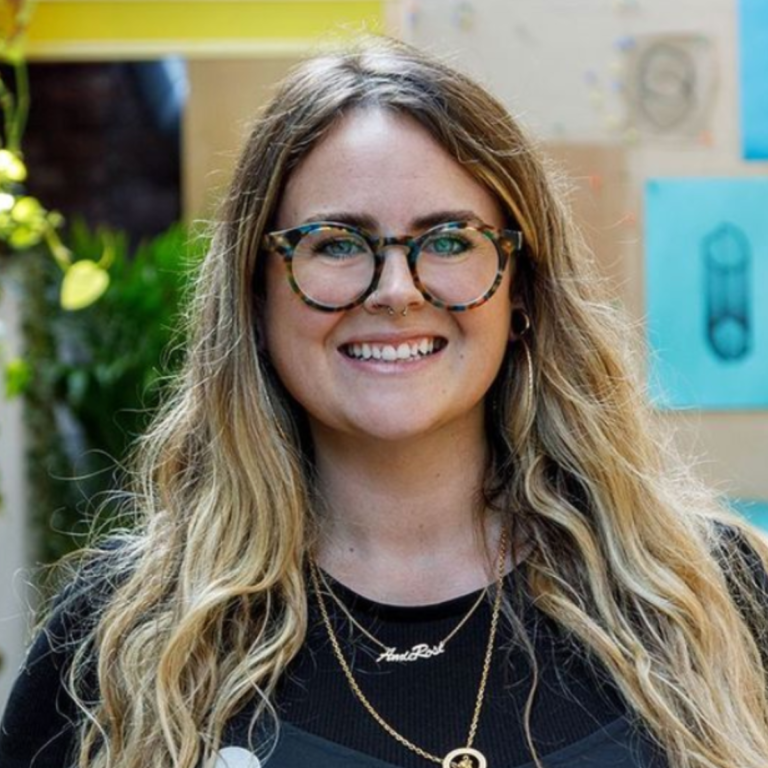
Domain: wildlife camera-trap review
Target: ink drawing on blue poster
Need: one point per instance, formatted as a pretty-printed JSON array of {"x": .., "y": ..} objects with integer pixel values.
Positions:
[
  {"x": 706, "y": 246},
  {"x": 753, "y": 74}
]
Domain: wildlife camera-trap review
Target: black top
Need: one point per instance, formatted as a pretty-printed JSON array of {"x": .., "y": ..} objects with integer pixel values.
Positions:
[{"x": 578, "y": 715}]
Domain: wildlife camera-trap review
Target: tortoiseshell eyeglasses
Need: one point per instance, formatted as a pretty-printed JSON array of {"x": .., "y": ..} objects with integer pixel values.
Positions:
[{"x": 333, "y": 267}]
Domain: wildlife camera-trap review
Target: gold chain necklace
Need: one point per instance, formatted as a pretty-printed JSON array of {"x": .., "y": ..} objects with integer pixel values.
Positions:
[
  {"x": 418, "y": 650},
  {"x": 461, "y": 757}
]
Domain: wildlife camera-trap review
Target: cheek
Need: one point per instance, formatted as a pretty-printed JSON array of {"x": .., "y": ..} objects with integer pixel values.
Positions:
[
  {"x": 279, "y": 322},
  {"x": 282, "y": 309},
  {"x": 491, "y": 332},
  {"x": 494, "y": 321},
  {"x": 296, "y": 337}
]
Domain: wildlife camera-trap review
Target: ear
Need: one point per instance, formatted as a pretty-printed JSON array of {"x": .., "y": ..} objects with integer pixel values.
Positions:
[{"x": 520, "y": 323}]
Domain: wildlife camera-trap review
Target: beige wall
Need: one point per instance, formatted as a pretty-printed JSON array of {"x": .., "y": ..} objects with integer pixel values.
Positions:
[
  {"x": 224, "y": 95},
  {"x": 13, "y": 549}
]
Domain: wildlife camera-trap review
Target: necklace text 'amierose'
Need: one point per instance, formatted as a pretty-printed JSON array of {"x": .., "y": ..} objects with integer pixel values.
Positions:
[{"x": 419, "y": 651}]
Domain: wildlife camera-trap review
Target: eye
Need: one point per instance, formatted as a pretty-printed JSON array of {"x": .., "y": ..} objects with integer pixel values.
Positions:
[
  {"x": 448, "y": 244},
  {"x": 339, "y": 247}
]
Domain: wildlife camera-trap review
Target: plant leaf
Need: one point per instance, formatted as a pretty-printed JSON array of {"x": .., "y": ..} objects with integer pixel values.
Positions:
[
  {"x": 17, "y": 376},
  {"x": 12, "y": 167},
  {"x": 84, "y": 282}
]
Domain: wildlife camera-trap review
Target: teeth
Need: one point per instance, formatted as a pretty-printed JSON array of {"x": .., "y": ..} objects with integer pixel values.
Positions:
[{"x": 389, "y": 353}]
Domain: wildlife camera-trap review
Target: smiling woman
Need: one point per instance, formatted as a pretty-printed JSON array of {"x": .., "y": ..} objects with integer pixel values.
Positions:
[
  {"x": 419, "y": 399},
  {"x": 408, "y": 505}
]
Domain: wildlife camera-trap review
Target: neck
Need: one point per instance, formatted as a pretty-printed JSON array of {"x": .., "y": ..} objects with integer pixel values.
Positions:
[{"x": 404, "y": 522}]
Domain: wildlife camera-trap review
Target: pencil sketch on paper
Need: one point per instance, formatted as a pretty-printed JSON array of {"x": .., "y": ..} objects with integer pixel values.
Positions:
[{"x": 670, "y": 85}]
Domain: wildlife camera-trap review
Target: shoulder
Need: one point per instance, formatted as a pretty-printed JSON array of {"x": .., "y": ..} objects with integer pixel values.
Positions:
[
  {"x": 742, "y": 554},
  {"x": 741, "y": 551},
  {"x": 39, "y": 723}
]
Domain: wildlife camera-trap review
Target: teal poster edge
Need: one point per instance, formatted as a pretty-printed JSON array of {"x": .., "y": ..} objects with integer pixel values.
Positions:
[
  {"x": 753, "y": 77},
  {"x": 755, "y": 511}
]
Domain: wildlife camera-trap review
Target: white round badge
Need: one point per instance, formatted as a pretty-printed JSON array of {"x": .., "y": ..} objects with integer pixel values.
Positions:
[{"x": 237, "y": 757}]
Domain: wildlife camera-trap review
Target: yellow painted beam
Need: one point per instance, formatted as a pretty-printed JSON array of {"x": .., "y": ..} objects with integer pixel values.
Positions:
[{"x": 193, "y": 26}]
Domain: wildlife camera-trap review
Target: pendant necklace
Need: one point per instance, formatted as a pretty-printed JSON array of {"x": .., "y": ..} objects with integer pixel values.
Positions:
[
  {"x": 461, "y": 757},
  {"x": 389, "y": 654}
]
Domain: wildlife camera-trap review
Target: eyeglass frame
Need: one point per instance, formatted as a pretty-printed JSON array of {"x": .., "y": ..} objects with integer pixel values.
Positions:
[{"x": 283, "y": 242}]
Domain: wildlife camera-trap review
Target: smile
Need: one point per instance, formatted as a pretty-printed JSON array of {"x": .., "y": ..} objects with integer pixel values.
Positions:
[{"x": 390, "y": 353}]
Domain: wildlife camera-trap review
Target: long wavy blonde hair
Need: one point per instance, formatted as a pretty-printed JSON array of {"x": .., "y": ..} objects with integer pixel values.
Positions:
[{"x": 206, "y": 601}]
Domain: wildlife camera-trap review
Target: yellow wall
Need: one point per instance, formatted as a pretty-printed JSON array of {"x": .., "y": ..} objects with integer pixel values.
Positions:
[{"x": 116, "y": 29}]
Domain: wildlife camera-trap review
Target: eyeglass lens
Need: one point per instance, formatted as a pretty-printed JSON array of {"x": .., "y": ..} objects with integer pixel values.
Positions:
[{"x": 335, "y": 266}]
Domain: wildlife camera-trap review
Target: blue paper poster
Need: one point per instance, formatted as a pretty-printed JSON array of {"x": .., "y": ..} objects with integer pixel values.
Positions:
[
  {"x": 706, "y": 244},
  {"x": 753, "y": 55}
]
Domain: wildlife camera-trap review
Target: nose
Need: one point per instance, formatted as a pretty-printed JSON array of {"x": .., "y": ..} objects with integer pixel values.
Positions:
[{"x": 396, "y": 288}]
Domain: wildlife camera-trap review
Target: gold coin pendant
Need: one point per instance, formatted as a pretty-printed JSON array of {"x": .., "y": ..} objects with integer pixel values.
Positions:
[{"x": 465, "y": 757}]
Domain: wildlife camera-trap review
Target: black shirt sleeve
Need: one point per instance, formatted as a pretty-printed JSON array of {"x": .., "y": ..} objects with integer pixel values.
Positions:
[{"x": 38, "y": 725}]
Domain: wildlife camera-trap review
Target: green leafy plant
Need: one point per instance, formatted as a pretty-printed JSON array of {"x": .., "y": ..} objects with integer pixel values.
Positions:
[{"x": 97, "y": 373}]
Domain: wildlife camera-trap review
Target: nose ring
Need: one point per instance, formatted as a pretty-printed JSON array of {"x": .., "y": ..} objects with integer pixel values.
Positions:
[{"x": 391, "y": 311}]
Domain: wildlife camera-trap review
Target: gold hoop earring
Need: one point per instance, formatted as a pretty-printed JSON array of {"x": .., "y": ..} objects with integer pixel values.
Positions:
[
  {"x": 529, "y": 360},
  {"x": 521, "y": 326}
]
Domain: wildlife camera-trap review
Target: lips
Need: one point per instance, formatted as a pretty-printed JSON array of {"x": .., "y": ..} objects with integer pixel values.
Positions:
[{"x": 403, "y": 351}]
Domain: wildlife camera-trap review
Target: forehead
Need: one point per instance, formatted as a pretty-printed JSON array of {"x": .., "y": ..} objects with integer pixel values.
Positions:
[{"x": 385, "y": 166}]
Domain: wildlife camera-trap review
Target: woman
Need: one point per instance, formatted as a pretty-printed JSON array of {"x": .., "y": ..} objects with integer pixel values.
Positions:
[{"x": 407, "y": 505}]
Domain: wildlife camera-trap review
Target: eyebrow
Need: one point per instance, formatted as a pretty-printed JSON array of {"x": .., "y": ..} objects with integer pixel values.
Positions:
[{"x": 420, "y": 223}]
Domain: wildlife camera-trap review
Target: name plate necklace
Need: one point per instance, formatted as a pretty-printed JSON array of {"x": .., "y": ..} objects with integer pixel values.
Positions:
[
  {"x": 389, "y": 654},
  {"x": 460, "y": 757}
]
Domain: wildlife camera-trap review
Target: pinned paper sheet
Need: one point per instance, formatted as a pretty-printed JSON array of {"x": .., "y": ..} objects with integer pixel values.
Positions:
[
  {"x": 753, "y": 45},
  {"x": 670, "y": 85},
  {"x": 707, "y": 292}
]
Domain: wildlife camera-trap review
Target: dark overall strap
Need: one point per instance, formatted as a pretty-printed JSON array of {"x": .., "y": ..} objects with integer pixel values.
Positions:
[{"x": 617, "y": 745}]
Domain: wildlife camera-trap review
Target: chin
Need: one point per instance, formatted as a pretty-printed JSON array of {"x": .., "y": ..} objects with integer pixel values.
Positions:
[
  {"x": 392, "y": 433},
  {"x": 381, "y": 426},
  {"x": 404, "y": 429},
  {"x": 399, "y": 422}
]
